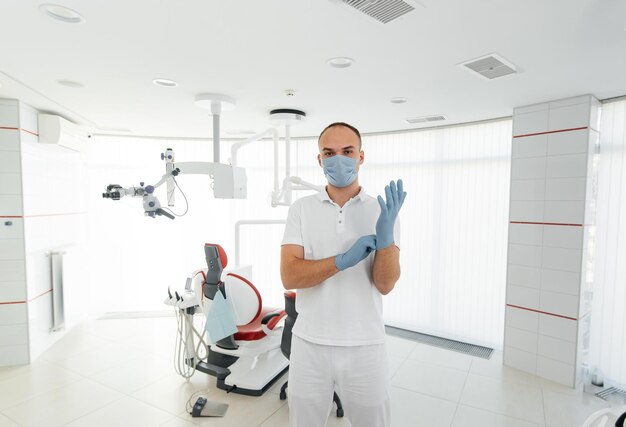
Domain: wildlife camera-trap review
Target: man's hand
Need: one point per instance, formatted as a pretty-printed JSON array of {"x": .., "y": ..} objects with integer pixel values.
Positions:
[
  {"x": 388, "y": 213},
  {"x": 357, "y": 253}
]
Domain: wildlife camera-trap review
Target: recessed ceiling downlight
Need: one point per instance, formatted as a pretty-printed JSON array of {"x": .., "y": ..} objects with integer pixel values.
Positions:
[
  {"x": 71, "y": 83},
  {"x": 61, "y": 13},
  {"x": 165, "y": 82},
  {"x": 340, "y": 62},
  {"x": 398, "y": 100}
]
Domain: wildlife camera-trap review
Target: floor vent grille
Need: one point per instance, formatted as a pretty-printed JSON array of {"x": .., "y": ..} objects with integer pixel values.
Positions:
[{"x": 458, "y": 346}]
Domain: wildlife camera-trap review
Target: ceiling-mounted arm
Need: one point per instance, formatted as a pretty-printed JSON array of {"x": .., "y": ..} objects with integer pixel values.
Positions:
[
  {"x": 282, "y": 196},
  {"x": 237, "y": 146},
  {"x": 229, "y": 182},
  {"x": 216, "y": 103}
]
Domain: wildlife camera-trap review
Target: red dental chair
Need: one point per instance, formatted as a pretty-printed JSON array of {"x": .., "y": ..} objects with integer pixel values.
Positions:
[{"x": 250, "y": 360}]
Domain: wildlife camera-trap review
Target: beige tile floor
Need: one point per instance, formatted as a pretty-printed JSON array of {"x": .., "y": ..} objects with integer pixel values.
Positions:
[{"x": 120, "y": 373}]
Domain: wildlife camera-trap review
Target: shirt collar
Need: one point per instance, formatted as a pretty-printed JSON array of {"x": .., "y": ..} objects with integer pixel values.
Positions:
[{"x": 324, "y": 197}]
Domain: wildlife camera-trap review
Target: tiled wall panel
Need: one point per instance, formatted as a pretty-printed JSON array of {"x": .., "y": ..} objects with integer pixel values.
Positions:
[{"x": 553, "y": 186}]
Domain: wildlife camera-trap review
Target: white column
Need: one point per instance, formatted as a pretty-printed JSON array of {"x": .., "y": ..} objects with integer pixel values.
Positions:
[
  {"x": 13, "y": 300},
  {"x": 42, "y": 209},
  {"x": 551, "y": 227}
]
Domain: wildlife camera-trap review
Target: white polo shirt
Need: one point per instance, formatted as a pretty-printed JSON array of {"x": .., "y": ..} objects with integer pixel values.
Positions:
[{"x": 345, "y": 309}]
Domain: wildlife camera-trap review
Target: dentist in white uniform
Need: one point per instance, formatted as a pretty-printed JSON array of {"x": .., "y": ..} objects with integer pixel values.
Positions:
[{"x": 341, "y": 252}]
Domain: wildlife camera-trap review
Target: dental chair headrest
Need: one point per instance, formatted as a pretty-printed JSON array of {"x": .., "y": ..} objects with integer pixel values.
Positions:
[
  {"x": 243, "y": 297},
  {"x": 221, "y": 252}
]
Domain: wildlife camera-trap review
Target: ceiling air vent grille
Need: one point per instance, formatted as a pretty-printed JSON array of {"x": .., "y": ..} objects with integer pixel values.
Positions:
[
  {"x": 425, "y": 119},
  {"x": 382, "y": 10},
  {"x": 490, "y": 66}
]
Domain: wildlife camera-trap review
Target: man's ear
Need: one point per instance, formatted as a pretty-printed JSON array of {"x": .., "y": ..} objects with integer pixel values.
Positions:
[
  {"x": 361, "y": 157},
  {"x": 319, "y": 160}
]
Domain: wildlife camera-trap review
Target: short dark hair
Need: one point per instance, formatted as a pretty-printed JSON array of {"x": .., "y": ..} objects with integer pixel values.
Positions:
[{"x": 346, "y": 125}]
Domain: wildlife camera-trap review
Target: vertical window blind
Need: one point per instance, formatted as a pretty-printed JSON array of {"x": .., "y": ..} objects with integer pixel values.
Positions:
[
  {"x": 608, "y": 320},
  {"x": 454, "y": 223}
]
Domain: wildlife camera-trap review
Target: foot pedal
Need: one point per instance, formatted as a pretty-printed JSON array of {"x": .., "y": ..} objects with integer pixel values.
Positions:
[{"x": 207, "y": 408}]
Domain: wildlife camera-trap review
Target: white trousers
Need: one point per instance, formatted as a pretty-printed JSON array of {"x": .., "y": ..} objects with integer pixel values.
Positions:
[{"x": 359, "y": 374}]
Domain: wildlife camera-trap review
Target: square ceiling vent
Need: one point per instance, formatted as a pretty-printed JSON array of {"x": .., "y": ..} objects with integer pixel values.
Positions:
[
  {"x": 490, "y": 66},
  {"x": 383, "y": 11}
]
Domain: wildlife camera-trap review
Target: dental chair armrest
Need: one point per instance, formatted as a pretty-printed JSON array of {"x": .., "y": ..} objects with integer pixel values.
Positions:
[{"x": 270, "y": 320}]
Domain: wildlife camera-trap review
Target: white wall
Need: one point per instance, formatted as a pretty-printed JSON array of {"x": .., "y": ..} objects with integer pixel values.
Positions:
[
  {"x": 41, "y": 194},
  {"x": 13, "y": 296}
]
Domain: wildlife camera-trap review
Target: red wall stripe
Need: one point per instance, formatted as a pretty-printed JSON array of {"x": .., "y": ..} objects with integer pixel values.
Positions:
[
  {"x": 30, "y": 300},
  {"x": 40, "y": 295},
  {"x": 550, "y": 131},
  {"x": 546, "y": 223},
  {"x": 542, "y": 312},
  {"x": 57, "y": 214},
  {"x": 32, "y": 133},
  {"x": 24, "y": 130},
  {"x": 42, "y": 215}
]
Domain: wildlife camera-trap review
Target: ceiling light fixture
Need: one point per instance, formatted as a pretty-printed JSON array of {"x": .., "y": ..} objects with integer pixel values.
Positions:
[
  {"x": 340, "y": 62},
  {"x": 70, "y": 83},
  {"x": 286, "y": 116},
  {"x": 165, "y": 82},
  {"x": 398, "y": 100},
  {"x": 61, "y": 13},
  {"x": 215, "y": 102}
]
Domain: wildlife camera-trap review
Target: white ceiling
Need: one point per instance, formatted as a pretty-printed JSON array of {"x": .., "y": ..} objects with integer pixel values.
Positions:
[{"x": 254, "y": 50}]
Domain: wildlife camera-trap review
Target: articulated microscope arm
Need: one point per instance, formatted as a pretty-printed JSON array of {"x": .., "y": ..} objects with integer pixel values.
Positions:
[
  {"x": 151, "y": 205},
  {"x": 229, "y": 182}
]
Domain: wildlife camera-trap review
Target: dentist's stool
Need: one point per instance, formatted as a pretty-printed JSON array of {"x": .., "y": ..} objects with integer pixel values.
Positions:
[{"x": 285, "y": 344}]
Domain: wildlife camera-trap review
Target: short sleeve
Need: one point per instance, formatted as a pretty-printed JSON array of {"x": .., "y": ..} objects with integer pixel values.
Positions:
[{"x": 293, "y": 228}]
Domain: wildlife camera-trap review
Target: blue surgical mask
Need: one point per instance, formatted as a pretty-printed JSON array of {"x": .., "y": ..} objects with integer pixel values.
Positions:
[{"x": 340, "y": 170}]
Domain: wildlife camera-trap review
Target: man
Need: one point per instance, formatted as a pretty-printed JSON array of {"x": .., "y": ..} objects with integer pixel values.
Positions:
[{"x": 341, "y": 253}]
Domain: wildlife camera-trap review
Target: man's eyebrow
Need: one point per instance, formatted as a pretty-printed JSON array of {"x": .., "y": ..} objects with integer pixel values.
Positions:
[{"x": 344, "y": 148}]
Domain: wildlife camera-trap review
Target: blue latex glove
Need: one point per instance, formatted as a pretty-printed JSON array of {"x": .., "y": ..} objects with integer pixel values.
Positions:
[
  {"x": 357, "y": 253},
  {"x": 388, "y": 213}
]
